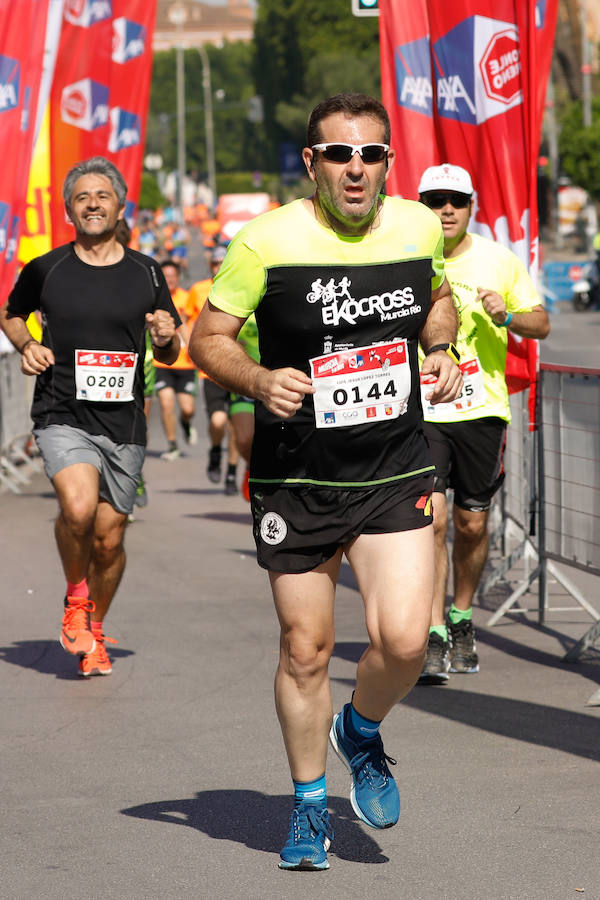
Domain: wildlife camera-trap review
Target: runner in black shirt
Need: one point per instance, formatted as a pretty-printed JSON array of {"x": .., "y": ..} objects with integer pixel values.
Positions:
[
  {"x": 97, "y": 298},
  {"x": 344, "y": 284}
]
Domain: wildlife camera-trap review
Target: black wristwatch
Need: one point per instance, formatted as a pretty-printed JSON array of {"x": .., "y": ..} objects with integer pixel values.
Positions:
[{"x": 450, "y": 349}]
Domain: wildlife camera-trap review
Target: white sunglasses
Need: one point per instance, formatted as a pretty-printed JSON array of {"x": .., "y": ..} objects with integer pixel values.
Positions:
[{"x": 343, "y": 153}]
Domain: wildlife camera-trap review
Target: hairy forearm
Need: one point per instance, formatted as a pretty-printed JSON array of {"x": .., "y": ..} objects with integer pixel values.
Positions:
[
  {"x": 225, "y": 361},
  {"x": 441, "y": 325}
]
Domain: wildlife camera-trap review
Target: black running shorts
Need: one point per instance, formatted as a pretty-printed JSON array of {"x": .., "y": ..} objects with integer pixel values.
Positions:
[
  {"x": 298, "y": 528},
  {"x": 216, "y": 398},
  {"x": 182, "y": 381},
  {"x": 468, "y": 458}
]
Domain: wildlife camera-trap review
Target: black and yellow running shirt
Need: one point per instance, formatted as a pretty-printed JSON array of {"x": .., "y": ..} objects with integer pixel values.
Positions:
[{"x": 348, "y": 312}]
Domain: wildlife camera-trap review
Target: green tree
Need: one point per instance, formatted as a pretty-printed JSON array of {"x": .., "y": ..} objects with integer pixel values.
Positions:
[
  {"x": 150, "y": 193},
  {"x": 305, "y": 50},
  {"x": 326, "y": 75},
  {"x": 579, "y": 147},
  {"x": 239, "y": 143}
]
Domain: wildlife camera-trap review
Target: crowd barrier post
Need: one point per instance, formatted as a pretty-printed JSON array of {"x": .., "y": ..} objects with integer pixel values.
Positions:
[
  {"x": 15, "y": 425},
  {"x": 564, "y": 461}
]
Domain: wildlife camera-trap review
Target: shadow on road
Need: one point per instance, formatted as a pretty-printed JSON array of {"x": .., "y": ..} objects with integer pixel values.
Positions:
[
  {"x": 233, "y": 816},
  {"x": 533, "y": 723},
  {"x": 48, "y": 658}
]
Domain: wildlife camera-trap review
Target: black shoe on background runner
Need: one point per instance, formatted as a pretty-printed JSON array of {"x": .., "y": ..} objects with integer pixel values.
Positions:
[
  {"x": 214, "y": 464},
  {"x": 463, "y": 650}
]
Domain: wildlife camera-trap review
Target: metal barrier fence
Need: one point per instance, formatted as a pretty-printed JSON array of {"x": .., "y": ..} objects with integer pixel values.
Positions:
[
  {"x": 550, "y": 502},
  {"x": 15, "y": 424}
]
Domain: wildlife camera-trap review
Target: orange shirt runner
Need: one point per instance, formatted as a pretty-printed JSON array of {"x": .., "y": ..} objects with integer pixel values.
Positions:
[{"x": 184, "y": 361}]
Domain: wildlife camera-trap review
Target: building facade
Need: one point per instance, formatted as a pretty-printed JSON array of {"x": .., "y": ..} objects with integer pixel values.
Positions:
[{"x": 192, "y": 23}]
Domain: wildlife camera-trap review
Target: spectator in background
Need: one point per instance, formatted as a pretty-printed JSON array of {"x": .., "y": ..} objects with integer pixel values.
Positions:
[
  {"x": 179, "y": 251},
  {"x": 147, "y": 240}
]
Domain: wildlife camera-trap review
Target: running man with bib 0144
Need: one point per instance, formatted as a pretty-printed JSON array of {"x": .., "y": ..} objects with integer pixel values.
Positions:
[{"x": 344, "y": 285}]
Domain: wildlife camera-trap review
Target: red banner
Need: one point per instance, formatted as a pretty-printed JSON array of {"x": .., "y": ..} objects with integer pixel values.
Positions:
[
  {"x": 22, "y": 40},
  {"x": 465, "y": 83},
  {"x": 100, "y": 94}
]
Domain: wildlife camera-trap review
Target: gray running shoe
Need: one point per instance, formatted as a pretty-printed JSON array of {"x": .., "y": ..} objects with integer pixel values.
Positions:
[
  {"x": 171, "y": 454},
  {"x": 230, "y": 485},
  {"x": 463, "y": 650},
  {"x": 190, "y": 433},
  {"x": 437, "y": 663}
]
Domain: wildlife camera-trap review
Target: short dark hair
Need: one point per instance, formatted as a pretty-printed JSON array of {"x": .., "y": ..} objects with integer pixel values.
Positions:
[
  {"x": 171, "y": 262},
  {"x": 351, "y": 105},
  {"x": 96, "y": 165}
]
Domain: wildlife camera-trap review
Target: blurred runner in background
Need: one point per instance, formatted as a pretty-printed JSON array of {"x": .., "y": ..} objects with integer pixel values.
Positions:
[
  {"x": 216, "y": 398},
  {"x": 177, "y": 385}
]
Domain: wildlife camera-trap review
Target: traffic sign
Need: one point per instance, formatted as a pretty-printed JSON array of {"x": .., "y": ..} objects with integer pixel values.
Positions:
[{"x": 365, "y": 7}]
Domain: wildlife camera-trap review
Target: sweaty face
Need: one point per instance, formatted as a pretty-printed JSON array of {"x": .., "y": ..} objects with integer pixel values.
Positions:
[
  {"x": 348, "y": 192},
  {"x": 94, "y": 207}
]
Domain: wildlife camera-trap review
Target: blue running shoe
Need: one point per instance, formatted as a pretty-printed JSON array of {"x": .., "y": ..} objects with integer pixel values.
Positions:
[
  {"x": 309, "y": 839},
  {"x": 374, "y": 793}
]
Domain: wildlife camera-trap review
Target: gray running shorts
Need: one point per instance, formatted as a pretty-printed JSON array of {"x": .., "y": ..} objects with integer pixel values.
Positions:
[{"x": 119, "y": 465}]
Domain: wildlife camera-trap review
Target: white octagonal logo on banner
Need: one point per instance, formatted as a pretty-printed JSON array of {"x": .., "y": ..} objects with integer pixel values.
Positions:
[{"x": 500, "y": 67}]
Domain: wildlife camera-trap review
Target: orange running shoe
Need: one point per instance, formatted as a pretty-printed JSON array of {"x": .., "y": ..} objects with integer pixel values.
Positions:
[
  {"x": 246, "y": 486},
  {"x": 97, "y": 662},
  {"x": 76, "y": 635}
]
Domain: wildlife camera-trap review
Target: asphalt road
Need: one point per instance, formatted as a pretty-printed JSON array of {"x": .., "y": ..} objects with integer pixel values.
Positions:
[{"x": 574, "y": 338}]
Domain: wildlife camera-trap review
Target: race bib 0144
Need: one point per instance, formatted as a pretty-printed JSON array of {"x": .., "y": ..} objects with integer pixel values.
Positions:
[{"x": 365, "y": 384}]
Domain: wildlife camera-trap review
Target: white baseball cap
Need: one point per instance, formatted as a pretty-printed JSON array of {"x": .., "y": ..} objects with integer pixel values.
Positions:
[{"x": 446, "y": 178}]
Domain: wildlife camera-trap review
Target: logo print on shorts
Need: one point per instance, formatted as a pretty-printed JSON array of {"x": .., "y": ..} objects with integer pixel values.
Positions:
[{"x": 273, "y": 529}]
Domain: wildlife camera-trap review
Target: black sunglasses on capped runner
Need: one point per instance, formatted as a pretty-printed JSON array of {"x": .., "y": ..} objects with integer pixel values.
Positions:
[
  {"x": 343, "y": 153},
  {"x": 437, "y": 199}
]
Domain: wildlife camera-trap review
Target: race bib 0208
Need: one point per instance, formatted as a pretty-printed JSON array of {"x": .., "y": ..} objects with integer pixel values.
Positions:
[
  {"x": 105, "y": 375},
  {"x": 365, "y": 384}
]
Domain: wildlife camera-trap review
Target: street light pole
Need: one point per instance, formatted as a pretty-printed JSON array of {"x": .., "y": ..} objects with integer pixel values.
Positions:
[
  {"x": 586, "y": 67},
  {"x": 178, "y": 16},
  {"x": 180, "y": 126},
  {"x": 208, "y": 124}
]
